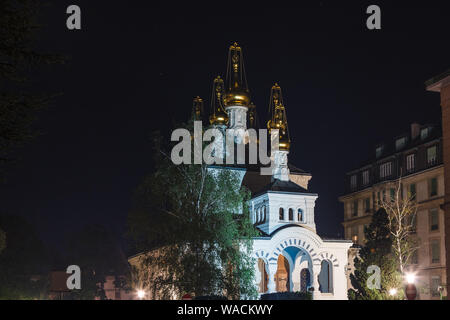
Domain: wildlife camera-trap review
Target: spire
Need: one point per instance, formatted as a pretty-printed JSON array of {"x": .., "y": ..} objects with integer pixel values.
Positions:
[
  {"x": 278, "y": 118},
  {"x": 197, "y": 108},
  {"x": 218, "y": 114},
  {"x": 237, "y": 93}
]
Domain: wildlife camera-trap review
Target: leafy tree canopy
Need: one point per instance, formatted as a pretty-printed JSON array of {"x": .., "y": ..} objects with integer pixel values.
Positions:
[
  {"x": 377, "y": 251},
  {"x": 197, "y": 219}
]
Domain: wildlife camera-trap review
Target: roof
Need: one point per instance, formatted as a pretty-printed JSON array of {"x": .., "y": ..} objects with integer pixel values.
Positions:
[
  {"x": 389, "y": 147},
  {"x": 437, "y": 78},
  {"x": 258, "y": 184}
]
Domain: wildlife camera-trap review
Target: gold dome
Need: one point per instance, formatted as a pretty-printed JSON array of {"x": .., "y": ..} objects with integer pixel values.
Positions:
[
  {"x": 218, "y": 114},
  {"x": 236, "y": 98},
  {"x": 278, "y": 118},
  {"x": 236, "y": 93}
]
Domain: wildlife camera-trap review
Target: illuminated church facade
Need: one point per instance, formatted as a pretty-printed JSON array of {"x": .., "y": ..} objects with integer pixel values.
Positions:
[{"x": 289, "y": 254}]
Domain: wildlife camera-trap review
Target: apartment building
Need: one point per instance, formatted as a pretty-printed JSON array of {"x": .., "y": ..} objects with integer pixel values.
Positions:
[{"x": 416, "y": 159}]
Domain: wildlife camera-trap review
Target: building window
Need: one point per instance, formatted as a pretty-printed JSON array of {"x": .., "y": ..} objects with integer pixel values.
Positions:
[
  {"x": 435, "y": 251},
  {"x": 435, "y": 286},
  {"x": 365, "y": 177},
  {"x": 300, "y": 215},
  {"x": 431, "y": 155},
  {"x": 424, "y": 133},
  {"x": 400, "y": 143},
  {"x": 264, "y": 213},
  {"x": 415, "y": 257},
  {"x": 412, "y": 191},
  {"x": 367, "y": 204},
  {"x": 433, "y": 187},
  {"x": 434, "y": 219},
  {"x": 413, "y": 222},
  {"x": 355, "y": 234},
  {"x": 385, "y": 170},
  {"x": 353, "y": 181},
  {"x": 281, "y": 214},
  {"x": 291, "y": 214},
  {"x": 410, "y": 162},
  {"x": 392, "y": 193},
  {"x": 355, "y": 208}
]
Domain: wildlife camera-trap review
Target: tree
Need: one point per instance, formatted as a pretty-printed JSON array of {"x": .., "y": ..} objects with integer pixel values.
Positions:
[
  {"x": 401, "y": 211},
  {"x": 192, "y": 223},
  {"x": 18, "y": 103},
  {"x": 377, "y": 251},
  {"x": 97, "y": 252},
  {"x": 2, "y": 240},
  {"x": 24, "y": 263}
]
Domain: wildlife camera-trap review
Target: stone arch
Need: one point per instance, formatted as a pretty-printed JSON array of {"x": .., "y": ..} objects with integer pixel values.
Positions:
[
  {"x": 283, "y": 274},
  {"x": 263, "y": 275}
]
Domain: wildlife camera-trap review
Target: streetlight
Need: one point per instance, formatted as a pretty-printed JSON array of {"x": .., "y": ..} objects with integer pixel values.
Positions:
[
  {"x": 411, "y": 290},
  {"x": 410, "y": 278},
  {"x": 140, "y": 294}
]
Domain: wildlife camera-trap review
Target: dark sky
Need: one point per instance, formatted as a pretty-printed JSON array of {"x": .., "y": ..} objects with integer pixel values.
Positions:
[{"x": 136, "y": 65}]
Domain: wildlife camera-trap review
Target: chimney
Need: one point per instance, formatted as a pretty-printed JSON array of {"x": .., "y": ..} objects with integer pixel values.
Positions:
[{"x": 415, "y": 130}]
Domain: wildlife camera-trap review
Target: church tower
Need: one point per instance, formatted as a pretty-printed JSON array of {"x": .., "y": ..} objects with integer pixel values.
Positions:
[
  {"x": 237, "y": 95},
  {"x": 218, "y": 116},
  {"x": 278, "y": 121}
]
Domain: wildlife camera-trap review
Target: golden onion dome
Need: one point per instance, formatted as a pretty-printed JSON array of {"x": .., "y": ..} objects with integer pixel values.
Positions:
[
  {"x": 278, "y": 118},
  {"x": 237, "y": 93},
  {"x": 218, "y": 114},
  {"x": 236, "y": 98}
]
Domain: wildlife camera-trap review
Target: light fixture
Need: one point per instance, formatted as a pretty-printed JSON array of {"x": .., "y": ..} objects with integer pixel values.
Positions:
[
  {"x": 410, "y": 278},
  {"x": 393, "y": 292},
  {"x": 141, "y": 294}
]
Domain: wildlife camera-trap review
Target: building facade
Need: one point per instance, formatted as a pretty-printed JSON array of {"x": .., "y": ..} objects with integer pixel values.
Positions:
[
  {"x": 415, "y": 161},
  {"x": 441, "y": 84}
]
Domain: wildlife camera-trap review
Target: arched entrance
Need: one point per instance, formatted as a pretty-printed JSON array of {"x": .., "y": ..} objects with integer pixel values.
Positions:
[
  {"x": 305, "y": 279},
  {"x": 264, "y": 276},
  {"x": 282, "y": 276}
]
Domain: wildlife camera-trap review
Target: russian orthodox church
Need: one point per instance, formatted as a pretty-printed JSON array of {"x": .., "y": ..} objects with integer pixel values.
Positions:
[{"x": 289, "y": 254}]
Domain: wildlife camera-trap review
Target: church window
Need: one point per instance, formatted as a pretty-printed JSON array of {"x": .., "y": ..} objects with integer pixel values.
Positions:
[
  {"x": 291, "y": 214},
  {"x": 300, "y": 215},
  {"x": 281, "y": 214}
]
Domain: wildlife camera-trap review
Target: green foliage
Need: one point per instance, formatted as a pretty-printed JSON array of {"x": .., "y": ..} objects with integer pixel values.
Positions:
[
  {"x": 197, "y": 219},
  {"x": 24, "y": 263},
  {"x": 377, "y": 251},
  {"x": 18, "y": 104},
  {"x": 97, "y": 252}
]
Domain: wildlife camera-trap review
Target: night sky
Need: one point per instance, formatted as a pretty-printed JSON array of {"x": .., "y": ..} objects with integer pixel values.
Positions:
[{"x": 136, "y": 65}]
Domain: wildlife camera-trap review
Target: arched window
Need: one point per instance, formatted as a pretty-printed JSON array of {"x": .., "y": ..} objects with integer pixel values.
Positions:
[
  {"x": 281, "y": 214},
  {"x": 259, "y": 215},
  {"x": 291, "y": 214},
  {"x": 264, "y": 214},
  {"x": 326, "y": 277},
  {"x": 300, "y": 215}
]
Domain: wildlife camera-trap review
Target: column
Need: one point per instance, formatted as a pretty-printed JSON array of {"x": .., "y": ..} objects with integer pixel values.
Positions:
[
  {"x": 315, "y": 275},
  {"x": 272, "y": 270}
]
